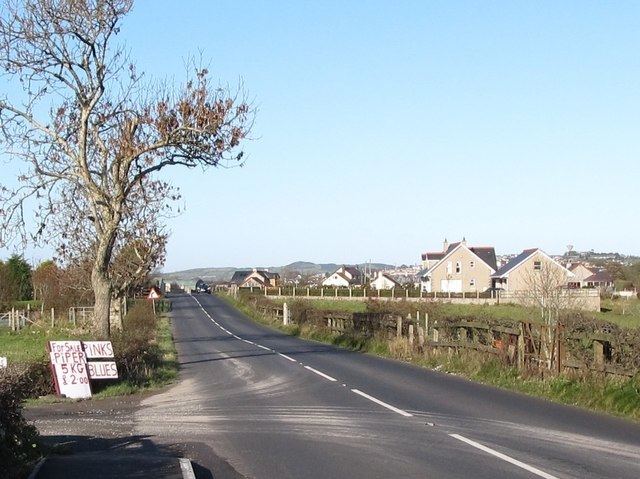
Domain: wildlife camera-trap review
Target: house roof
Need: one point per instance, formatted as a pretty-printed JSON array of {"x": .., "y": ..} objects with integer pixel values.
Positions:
[
  {"x": 486, "y": 254},
  {"x": 433, "y": 255},
  {"x": 602, "y": 276},
  {"x": 514, "y": 263},
  {"x": 577, "y": 265},
  {"x": 256, "y": 279},
  {"x": 239, "y": 277},
  {"x": 355, "y": 272},
  {"x": 386, "y": 276}
]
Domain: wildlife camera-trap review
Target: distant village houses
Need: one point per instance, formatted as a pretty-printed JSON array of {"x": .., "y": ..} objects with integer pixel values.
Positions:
[
  {"x": 255, "y": 278},
  {"x": 384, "y": 281},
  {"x": 345, "y": 277}
]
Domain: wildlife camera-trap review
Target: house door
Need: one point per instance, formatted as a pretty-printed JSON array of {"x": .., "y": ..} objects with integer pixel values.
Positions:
[{"x": 451, "y": 285}]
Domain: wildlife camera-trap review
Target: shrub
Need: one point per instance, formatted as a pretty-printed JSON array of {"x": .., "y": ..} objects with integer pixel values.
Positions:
[
  {"x": 136, "y": 348},
  {"x": 19, "y": 443}
]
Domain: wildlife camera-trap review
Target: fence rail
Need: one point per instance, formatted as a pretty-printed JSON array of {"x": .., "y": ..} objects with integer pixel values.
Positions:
[{"x": 525, "y": 345}]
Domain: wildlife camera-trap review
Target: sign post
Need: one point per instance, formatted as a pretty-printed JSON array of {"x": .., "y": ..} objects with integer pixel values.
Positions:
[{"x": 154, "y": 294}]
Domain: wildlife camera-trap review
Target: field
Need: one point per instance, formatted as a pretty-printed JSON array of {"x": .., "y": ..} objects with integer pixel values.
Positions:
[
  {"x": 625, "y": 313},
  {"x": 30, "y": 344}
]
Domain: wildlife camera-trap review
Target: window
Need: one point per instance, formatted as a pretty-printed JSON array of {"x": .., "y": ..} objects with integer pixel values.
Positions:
[
  {"x": 458, "y": 267},
  {"x": 472, "y": 282},
  {"x": 449, "y": 267},
  {"x": 472, "y": 264},
  {"x": 537, "y": 265}
]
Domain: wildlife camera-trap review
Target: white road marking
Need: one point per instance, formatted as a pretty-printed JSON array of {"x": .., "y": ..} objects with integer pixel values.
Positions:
[
  {"x": 504, "y": 457},
  {"x": 263, "y": 347},
  {"x": 320, "y": 373},
  {"x": 288, "y": 357},
  {"x": 186, "y": 468},
  {"x": 382, "y": 403}
]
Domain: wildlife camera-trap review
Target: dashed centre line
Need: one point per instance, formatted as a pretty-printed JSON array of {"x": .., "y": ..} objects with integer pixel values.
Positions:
[
  {"x": 504, "y": 457},
  {"x": 382, "y": 403},
  {"x": 320, "y": 373},
  {"x": 470, "y": 442}
]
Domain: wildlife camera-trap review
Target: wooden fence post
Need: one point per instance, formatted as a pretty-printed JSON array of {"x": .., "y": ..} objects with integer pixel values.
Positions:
[
  {"x": 53, "y": 318},
  {"x": 598, "y": 353},
  {"x": 521, "y": 345},
  {"x": 406, "y": 292},
  {"x": 285, "y": 314},
  {"x": 426, "y": 324},
  {"x": 411, "y": 334},
  {"x": 350, "y": 292},
  {"x": 335, "y": 291},
  {"x": 399, "y": 327},
  {"x": 308, "y": 292},
  {"x": 420, "y": 336}
]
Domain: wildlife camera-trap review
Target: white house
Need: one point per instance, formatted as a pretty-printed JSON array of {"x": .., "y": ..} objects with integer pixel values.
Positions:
[
  {"x": 384, "y": 281},
  {"x": 344, "y": 277}
]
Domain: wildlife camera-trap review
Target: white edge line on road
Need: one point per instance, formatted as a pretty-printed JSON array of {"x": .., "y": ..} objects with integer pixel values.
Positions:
[
  {"x": 263, "y": 347},
  {"x": 186, "y": 468},
  {"x": 320, "y": 373},
  {"x": 504, "y": 457},
  {"x": 288, "y": 357},
  {"x": 382, "y": 403}
]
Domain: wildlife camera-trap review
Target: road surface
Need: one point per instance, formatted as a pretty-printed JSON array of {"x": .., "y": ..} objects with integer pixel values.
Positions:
[{"x": 253, "y": 402}]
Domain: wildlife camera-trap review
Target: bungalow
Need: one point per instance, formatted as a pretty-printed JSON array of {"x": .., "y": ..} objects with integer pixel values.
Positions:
[
  {"x": 580, "y": 273},
  {"x": 460, "y": 268},
  {"x": 344, "y": 276},
  {"x": 256, "y": 278},
  {"x": 590, "y": 277},
  {"x": 518, "y": 273},
  {"x": 601, "y": 280},
  {"x": 384, "y": 281}
]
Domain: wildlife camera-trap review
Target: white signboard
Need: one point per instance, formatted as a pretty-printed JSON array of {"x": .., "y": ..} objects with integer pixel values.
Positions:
[
  {"x": 68, "y": 363},
  {"x": 3, "y": 362},
  {"x": 103, "y": 370},
  {"x": 98, "y": 349}
]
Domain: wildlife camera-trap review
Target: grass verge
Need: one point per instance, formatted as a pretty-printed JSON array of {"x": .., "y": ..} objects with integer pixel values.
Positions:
[{"x": 615, "y": 396}]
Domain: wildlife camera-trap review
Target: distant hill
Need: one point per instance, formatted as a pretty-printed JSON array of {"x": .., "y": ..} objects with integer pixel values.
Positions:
[{"x": 225, "y": 273}]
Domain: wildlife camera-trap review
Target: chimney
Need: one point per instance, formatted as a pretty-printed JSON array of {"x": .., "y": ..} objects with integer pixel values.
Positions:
[
  {"x": 255, "y": 270},
  {"x": 464, "y": 240},
  {"x": 445, "y": 245}
]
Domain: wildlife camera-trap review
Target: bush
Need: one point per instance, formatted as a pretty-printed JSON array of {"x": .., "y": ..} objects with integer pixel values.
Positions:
[
  {"x": 137, "y": 352},
  {"x": 19, "y": 443}
]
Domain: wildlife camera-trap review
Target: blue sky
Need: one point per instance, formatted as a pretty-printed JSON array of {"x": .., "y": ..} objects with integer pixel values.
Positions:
[{"x": 385, "y": 126}]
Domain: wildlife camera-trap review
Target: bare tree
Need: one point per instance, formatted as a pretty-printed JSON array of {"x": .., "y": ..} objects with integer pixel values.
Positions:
[
  {"x": 93, "y": 136},
  {"x": 545, "y": 288}
]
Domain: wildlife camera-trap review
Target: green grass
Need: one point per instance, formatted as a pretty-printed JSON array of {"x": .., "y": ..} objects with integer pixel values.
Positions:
[
  {"x": 30, "y": 344},
  {"x": 625, "y": 313},
  {"x": 610, "y": 395},
  {"x": 160, "y": 377}
]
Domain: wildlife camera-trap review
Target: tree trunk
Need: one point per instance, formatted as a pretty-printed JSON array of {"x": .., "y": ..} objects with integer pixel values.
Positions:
[{"x": 102, "y": 304}]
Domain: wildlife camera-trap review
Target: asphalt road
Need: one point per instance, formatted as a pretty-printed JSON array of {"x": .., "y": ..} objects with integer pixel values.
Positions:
[{"x": 253, "y": 402}]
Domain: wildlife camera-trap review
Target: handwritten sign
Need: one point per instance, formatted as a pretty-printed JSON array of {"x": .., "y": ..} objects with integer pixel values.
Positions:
[
  {"x": 3, "y": 362},
  {"x": 103, "y": 370},
  {"x": 98, "y": 349},
  {"x": 68, "y": 364}
]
